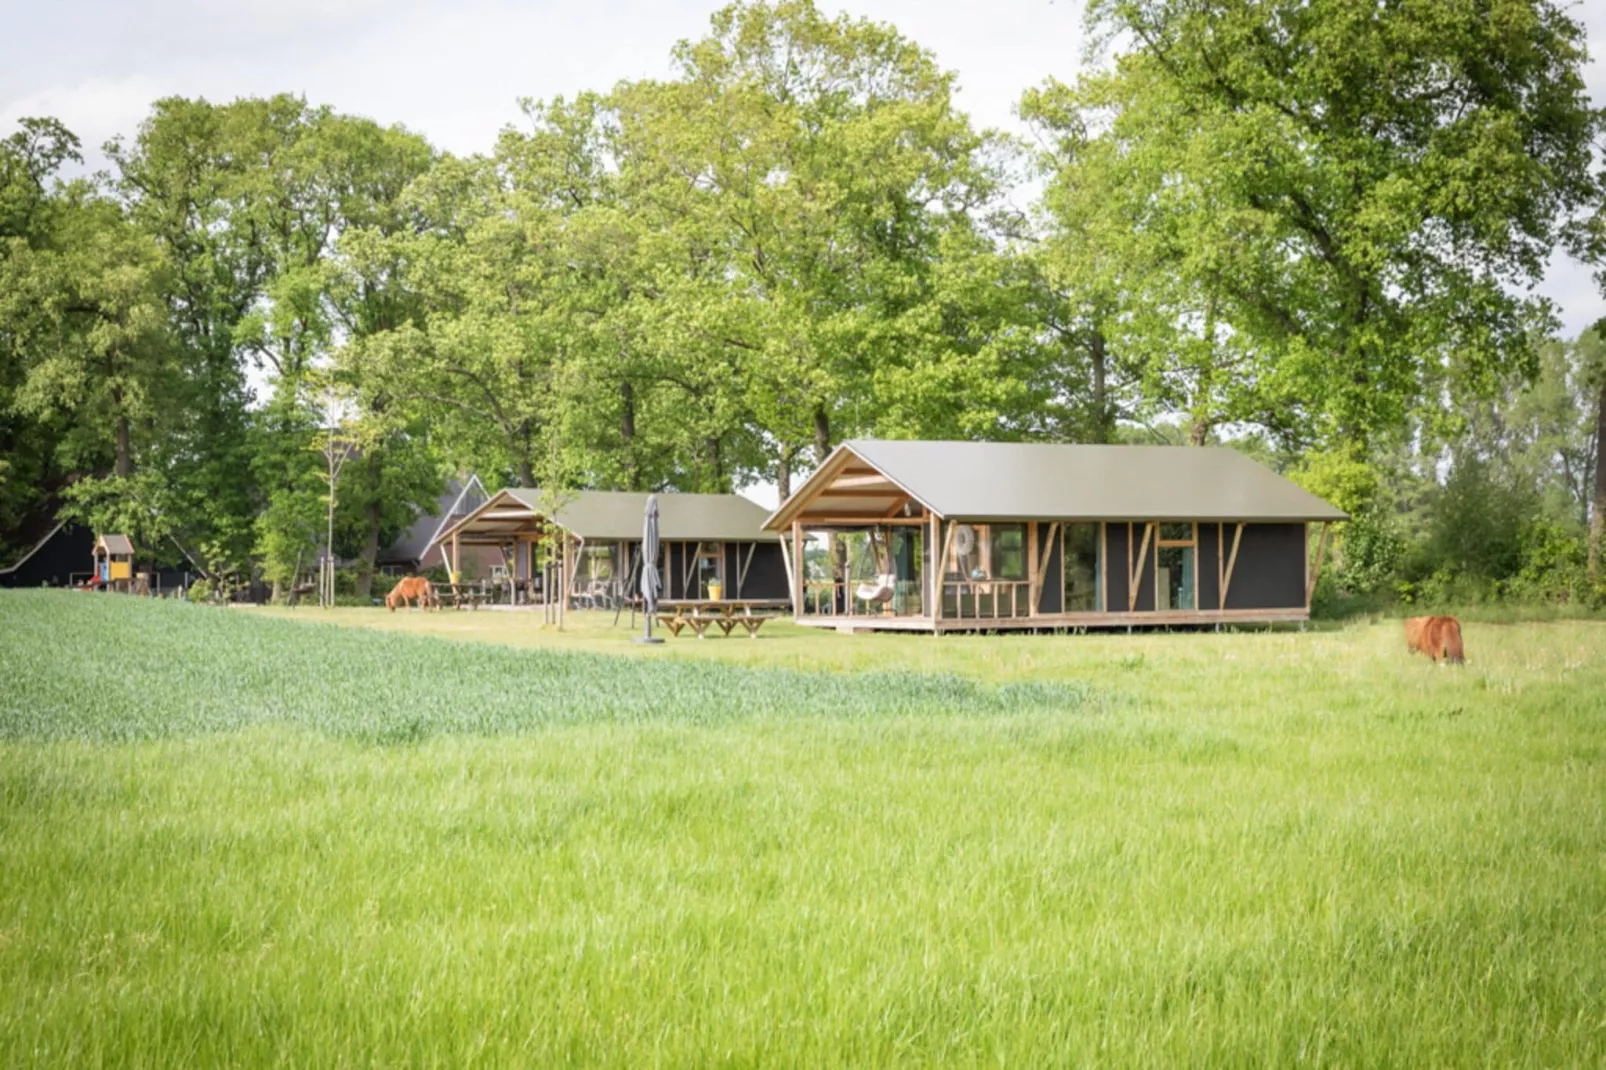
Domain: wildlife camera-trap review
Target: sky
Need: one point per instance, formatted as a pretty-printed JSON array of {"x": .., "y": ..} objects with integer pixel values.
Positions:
[{"x": 454, "y": 70}]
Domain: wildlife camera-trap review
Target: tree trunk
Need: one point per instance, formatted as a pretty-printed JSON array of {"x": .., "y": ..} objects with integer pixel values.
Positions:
[
  {"x": 373, "y": 515},
  {"x": 125, "y": 449},
  {"x": 627, "y": 434},
  {"x": 526, "y": 473},
  {"x": 822, "y": 435},
  {"x": 783, "y": 473},
  {"x": 1199, "y": 432},
  {"x": 1098, "y": 356},
  {"x": 1597, "y": 518}
]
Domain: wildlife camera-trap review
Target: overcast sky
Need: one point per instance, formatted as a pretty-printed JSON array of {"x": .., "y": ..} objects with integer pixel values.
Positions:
[{"x": 454, "y": 70}]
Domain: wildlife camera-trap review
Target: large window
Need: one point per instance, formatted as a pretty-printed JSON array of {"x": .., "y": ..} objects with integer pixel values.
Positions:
[
  {"x": 1175, "y": 560},
  {"x": 1084, "y": 569},
  {"x": 988, "y": 552},
  {"x": 708, "y": 567},
  {"x": 1008, "y": 545}
]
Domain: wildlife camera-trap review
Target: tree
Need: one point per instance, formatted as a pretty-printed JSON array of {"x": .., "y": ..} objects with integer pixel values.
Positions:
[
  {"x": 1362, "y": 190},
  {"x": 99, "y": 357},
  {"x": 809, "y": 169},
  {"x": 30, "y": 211}
]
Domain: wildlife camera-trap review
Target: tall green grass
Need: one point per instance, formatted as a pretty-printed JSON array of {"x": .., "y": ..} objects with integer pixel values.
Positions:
[
  {"x": 79, "y": 667},
  {"x": 1230, "y": 850}
]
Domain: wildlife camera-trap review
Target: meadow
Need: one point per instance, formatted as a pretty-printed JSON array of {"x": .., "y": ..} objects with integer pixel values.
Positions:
[{"x": 355, "y": 838}]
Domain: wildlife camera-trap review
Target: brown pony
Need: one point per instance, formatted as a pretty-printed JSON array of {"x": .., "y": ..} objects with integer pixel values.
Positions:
[
  {"x": 1437, "y": 637},
  {"x": 406, "y": 590}
]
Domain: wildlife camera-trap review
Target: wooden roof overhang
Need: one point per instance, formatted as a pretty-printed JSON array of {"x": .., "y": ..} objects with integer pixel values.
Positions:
[
  {"x": 844, "y": 491},
  {"x": 501, "y": 520}
]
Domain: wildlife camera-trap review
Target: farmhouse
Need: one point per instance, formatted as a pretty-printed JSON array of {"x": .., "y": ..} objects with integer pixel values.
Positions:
[
  {"x": 966, "y": 536},
  {"x": 587, "y": 544}
]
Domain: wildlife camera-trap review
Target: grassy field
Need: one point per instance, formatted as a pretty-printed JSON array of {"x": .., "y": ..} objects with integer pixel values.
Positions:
[{"x": 227, "y": 837}]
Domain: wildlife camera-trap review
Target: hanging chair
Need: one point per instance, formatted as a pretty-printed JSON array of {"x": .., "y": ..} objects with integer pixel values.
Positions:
[{"x": 885, "y": 585}]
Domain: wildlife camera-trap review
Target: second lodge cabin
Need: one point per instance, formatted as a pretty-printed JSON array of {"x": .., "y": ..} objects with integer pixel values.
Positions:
[
  {"x": 587, "y": 544},
  {"x": 966, "y": 536}
]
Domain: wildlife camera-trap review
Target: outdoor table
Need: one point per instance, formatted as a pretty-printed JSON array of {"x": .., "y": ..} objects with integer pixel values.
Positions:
[
  {"x": 726, "y": 614},
  {"x": 462, "y": 595}
]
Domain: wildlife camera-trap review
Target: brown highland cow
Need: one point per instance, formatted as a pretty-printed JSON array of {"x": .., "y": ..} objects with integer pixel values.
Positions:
[{"x": 1437, "y": 637}]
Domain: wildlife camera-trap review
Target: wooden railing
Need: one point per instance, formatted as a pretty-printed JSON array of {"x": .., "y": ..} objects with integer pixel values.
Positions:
[
  {"x": 839, "y": 598},
  {"x": 986, "y": 599}
]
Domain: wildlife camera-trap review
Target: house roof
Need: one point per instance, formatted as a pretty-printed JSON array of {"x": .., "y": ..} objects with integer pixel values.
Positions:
[
  {"x": 608, "y": 515},
  {"x": 459, "y": 499},
  {"x": 115, "y": 544},
  {"x": 1047, "y": 481}
]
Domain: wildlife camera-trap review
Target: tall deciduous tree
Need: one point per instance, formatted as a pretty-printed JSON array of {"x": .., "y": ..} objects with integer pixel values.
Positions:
[{"x": 1358, "y": 192}]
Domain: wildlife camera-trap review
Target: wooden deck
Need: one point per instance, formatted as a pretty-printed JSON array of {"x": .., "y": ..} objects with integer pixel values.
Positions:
[{"x": 1057, "y": 621}]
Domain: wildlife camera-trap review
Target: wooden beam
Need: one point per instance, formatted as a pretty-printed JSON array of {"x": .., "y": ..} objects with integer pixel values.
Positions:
[
  {"x": 1104, "y": 567},
  {"x": 1143, "y": 555},
  {"x": 856, "y": 520},
  {"x": 848, "y": 480},
  {"x": 836, "y": 491},
  {"x": 896, "y": 506},
  {"x": 1232, "y": 563},
  {"x": 741, "y": 567},
  {"x": 1042, "y": 568},
  {"x": 1031, "y": 566},
  {"x": 1321, "y": 552},
  {"x": 942, "y": 567},
  {"x": 797, "y": 566}
]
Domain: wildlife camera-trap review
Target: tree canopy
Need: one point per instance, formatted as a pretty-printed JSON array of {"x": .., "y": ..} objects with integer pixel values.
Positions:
[{"x": 1310, "y": 229}]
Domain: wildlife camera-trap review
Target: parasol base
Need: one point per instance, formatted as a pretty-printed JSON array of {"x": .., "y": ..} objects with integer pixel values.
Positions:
[{"x": 646, "y": 639}]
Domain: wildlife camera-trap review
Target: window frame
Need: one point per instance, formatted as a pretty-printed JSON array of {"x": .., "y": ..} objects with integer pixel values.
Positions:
[{"x": 1191, "y": 543}]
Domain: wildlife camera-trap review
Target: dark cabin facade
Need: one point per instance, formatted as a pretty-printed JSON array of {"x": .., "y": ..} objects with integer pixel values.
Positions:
[
  {"x": 585, "y": 546},
  {"x": 970, "y": 536},
  {"x": 59, "y": 558}
]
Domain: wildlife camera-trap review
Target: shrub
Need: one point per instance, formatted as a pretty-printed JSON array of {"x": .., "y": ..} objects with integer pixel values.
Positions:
[{"x": 200, "y": 590}]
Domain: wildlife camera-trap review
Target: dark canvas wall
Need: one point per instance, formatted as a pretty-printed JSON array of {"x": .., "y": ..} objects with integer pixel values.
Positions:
[
  {"x": 1053, "y": 596},
  {"x": 1270, "y": 573},
  {"x": 1116, "y": 566},
  {"x": 1206, "y": 576},
  {"x": 766, "y": 575},
  {"x": 68, "y": 551}
]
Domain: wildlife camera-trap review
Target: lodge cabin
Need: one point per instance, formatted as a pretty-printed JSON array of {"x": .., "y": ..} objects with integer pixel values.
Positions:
[
  {"x": 979, "y": 536},
  {"x": 584, "y": 547}
]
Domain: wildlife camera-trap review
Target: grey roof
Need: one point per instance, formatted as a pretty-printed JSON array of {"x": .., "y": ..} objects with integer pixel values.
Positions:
[
  {"x": 117, "y": 544},
  {"x": 1043, "y": 481},
  {"x": 608, "y": 514},
  {"x": 459, "y": 500}
]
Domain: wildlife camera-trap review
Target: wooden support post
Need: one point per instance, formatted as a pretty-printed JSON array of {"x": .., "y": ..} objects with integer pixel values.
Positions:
[
  {"x": 933, "y": 577},
  {"x": 457, "y": 561},
  {"x": 1232, "y": 563},
  {"x": 1104, "y": 566},
  {"x": 942, "y": 571},
  {"x": 1143, "y": 556},
  {"x": 1321, "y": 552},
  {"x": 797, "y": 568},
  {"x": 1031, "y": 568},
  {"x": 741, "y": 567}
]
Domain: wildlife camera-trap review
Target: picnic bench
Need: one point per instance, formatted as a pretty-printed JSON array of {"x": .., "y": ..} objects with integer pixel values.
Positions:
[
  {"x": 726, "y": 614},
  {"x": 462, "y": 595}
]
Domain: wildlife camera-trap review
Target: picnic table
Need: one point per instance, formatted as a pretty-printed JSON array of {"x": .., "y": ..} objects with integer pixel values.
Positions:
[
  {"x": 462, "y": 595},
  {"x": 726, "y": 614}
]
